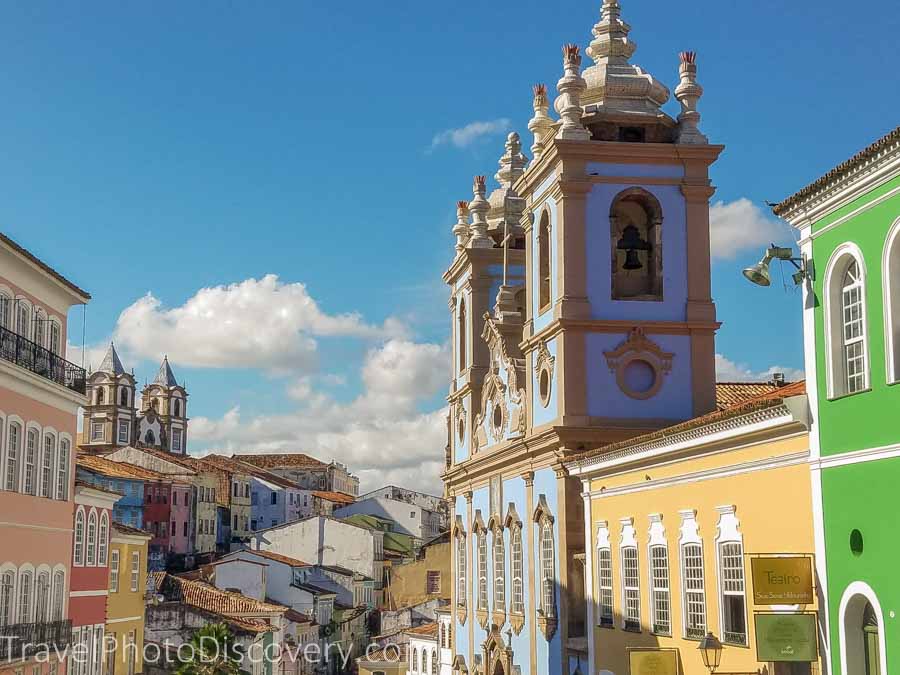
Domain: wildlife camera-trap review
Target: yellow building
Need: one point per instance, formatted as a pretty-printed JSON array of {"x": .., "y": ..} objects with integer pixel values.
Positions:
[
  {"x": 425, "y": 578},
  {"x": 390, "y": 660},
  {"x": 680, "y": 523},
  {"x": 125, "y": 602}
]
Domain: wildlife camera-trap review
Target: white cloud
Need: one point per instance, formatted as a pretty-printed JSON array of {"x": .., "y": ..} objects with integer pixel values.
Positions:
[
  {"x": 740, "y": 225},
  {"x": 465, "y": 136},
  {"x": 381, "y": 435},
  {"x": 731, "y": 371},
  {"x": 256, "y": 323}
]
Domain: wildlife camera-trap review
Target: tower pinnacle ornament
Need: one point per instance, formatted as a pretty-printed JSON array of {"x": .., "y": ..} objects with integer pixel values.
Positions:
[
  {"x": 568, "y": 104},
  {"x": 541, "y": 124},
  {"x": 479, "y": 207},
  {"x": 688, "y": 92},
  {"x": 461, "y": 229}
]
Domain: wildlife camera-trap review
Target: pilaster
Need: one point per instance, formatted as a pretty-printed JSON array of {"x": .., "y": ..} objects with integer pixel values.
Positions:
[
  {"x": 470, "y": 579},
  {"x": 531, "y": 607}
]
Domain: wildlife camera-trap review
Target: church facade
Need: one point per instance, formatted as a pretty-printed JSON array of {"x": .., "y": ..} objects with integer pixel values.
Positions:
[
  {"x": 581, "y": 316},
  {"x": 112, "y": 420}
]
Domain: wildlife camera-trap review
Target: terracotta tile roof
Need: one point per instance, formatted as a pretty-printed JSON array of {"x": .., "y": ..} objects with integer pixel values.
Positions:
[
  {"x": 425, "y": 630},
  {"x": 855, "y": 162},
  {"x": 132, "y": 531},
  {"x": 337, "y": 497},
  {"x": 25, "y": 253},
  {"x": 392, "y": 653},
  {"x": 178, "y": 460},
  {"x": 225, "y": 463},
  {"x": 223, "y": 476},
  {"x": 297, "y": 617},
  {"x": 250, "y": 469},
  {"x": 762, "y": 401},
  {"x": 92, "y": 486},
  {"x": 111, "y": 469},
  {"x": 205, "y": 596},
  {"x": 294, "y": 460},
  {"x": 732, "y": 393},
  {"x": 277, "y": 557}
]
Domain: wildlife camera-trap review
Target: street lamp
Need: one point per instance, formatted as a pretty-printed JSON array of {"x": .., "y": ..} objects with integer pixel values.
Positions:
[
  {"x": 710, "y": 651},
  {"x": 759, "y": 273}
]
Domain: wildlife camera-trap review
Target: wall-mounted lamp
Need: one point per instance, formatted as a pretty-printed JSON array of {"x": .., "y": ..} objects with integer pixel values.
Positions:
[{"x": 759, "y": 273}]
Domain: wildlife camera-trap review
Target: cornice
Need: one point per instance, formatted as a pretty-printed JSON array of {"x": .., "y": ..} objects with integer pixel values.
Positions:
[{"x": 623, "y": 326}]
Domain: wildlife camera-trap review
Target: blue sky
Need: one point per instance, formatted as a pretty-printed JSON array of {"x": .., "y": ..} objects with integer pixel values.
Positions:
[{"x": 167, "y": 147}]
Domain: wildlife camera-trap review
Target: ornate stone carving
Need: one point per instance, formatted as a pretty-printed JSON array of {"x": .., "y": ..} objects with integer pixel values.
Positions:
[
  {"x": 568, "y": 103},
  {"x": 541, "y": 125},
  {"x": 461, "y": 229},
  {"x": 479, "y": 207},
  {"x": 688, "y": 92},
  {"x": 544, "y": 365},
  {"x": 639, "y": 351}
]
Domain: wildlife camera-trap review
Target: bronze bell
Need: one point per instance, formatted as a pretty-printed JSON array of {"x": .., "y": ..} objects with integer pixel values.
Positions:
[{"x": 632, "y": 261}]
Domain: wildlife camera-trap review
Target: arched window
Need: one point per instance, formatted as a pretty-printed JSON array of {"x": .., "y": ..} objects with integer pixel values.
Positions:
[
  {"x": 845, "y": 330},
  {"x": 433, "y": 662},
  {"x": 424, "y": 661},
  {"x": 461, "y": 569},
  {"x": 415, "y": 660},
  {"x": 499, "y": 571},
  {"x": 548, "y": 570},
  {"x": 693, "y": 587},
  {"x": 481, "y": 540},
  {"x": 123, "y": 397},
  {"x": 177, "y": 408},
  {"x": 462, "y": 335},
  {"x": 7, "y": 586},
  {"x": 59, "y": 591},
  {"x": 91, "y": 545},
  {"x": 31, "y": 450},
  {"x": 543, "y": 239},
  {"x": 149, "y": 438},
  {"x": 730, "y": 549},
  {"x": 631, "y": 585},
  {"x": 78, "y": 538},
  {"x": 55, "y": 345},
  {"x": 5, "y": 310},
  {"x": 42, "y": 598},
  {"x": 62, "y": 470},
  {"x": 890, "y": 270},
  {"x": 103, "y": 540},
  {"x": 518, "y": 599},
  {"x": 39, "y": 320},
  {"x": 13, "y": 447},
  {"x": 25, "y": 599},
  {"x": 22, "y": 323},
  {"x": 47, "y": 462},
  {"x": 635, "y": 223}
]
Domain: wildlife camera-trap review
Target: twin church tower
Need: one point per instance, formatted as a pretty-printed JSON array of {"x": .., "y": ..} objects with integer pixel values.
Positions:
[
  {"x": 112, "y": 420},
  {"x": 581, "y": 316}
]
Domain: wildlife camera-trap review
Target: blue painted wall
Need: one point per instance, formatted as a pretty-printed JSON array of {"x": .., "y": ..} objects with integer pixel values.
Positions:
[
  {"x": 539, "y": 414},
  {"x": 541, "y": 321}
]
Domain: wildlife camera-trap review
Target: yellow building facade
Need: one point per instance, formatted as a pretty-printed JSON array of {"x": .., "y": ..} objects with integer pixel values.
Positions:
[
  {"x": 675, "y": 520},
  {"x": 125, "y": 602}
]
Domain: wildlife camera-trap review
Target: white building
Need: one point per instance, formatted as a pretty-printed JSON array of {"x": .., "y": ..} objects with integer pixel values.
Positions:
[{"x": 409, "y": 517}]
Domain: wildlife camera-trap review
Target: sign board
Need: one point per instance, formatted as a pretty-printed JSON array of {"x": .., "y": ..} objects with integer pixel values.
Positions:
[
  {"x": 653, "y": 661},
  {"x": 782, "y": 581},
  {"x": 785, "y": 637}
]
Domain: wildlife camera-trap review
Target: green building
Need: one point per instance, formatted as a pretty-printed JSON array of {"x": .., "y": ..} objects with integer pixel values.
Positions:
[{"x": 849, "y": 224}]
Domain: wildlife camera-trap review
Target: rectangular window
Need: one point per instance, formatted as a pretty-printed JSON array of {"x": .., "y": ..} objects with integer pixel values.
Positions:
[
  {"x": 96, "y": 431},
  {"x": 131, "y": 652},
  {"x": 274, "y": 497},
  {"x": 854, "y": 338},
  {"x": 123, "y": 431},
  {"x": 604, "y": 572},
  {"x": 734, "y": 626},
  {"x": 482, "y": 571},
  {"x": 631, "y": 589},
  {"x": 135, "y": 570},
  {"x": 235, "y": 521},
  {"x": 432, "y": 582},
  {"x": 461, "y": 570},
  {"x": 659, "y": 590},
  {"x": 114, "y": 571},
  {"x": 174, "y": 499},
  {"x": 694, "y": 598},
  {"x": 176, "y": 440},
  {"x": 184, "y": 528}
]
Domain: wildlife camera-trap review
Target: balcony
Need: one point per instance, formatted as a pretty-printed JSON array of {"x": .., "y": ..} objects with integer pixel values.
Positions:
[
  {"x": 28, "y": 639},
  {"x": 40, "y": 361}
]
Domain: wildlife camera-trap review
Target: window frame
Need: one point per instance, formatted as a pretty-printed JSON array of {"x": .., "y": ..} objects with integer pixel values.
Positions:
[
  {"x": 841, "y": 258},
  {"x": 890, "y": 270},
  {"x": 544, "y": 261},
  {"x": 114, "y": 570}
]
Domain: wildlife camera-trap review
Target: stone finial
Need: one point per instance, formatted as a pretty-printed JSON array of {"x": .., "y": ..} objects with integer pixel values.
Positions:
[
  {"x": 541, "y": 125},
  {"x": 611, "y": 41},
  {"x": 479, "y": 207},
  {"x": 568, "y": 104},
  {"x": 512, "y": 163},
  {"x": 688, "y": 92},
  {"x": 461, "y": 229}
]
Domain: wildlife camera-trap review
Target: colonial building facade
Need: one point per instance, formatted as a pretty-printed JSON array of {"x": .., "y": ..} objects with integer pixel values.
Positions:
[
  {"x": 849, "y": 222},
  {"x": 581, "y": 316}
]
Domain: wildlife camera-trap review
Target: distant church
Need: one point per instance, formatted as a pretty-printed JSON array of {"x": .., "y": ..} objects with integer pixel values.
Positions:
[
  {"x": 581, "y": 315},
  {"x": 111, "y": 419}
]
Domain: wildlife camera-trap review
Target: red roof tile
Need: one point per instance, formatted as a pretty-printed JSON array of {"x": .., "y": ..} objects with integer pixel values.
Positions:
[
  {"x": 277, "y": 557},
  {"x": 283, "y": 461},
  {"x": 338, "y": 497}
]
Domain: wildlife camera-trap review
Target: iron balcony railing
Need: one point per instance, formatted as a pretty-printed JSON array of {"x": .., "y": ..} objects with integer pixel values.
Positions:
[
  {"x": 40, "y": 361},
  {"x": 24, "y": 640}
]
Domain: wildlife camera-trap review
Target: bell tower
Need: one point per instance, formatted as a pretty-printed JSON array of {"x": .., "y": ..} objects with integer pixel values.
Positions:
[
  {"x": 108, "y": 420},
  {"x": 163, "y": 421}
]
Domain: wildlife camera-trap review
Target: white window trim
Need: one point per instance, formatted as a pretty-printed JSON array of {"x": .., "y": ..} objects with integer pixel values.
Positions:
[
  {"x": 603, "y": 544},
  {"x": 861, "y": 588},
  {"x": 891, "y": 345},
  {"x": 657, "y": 539},
  {"x": 690, "y": 534},
  {"x": 833, "y": 318},
  {"x": 728, "y": 532},
  {"x": 78, "y": 561},
  {"x": 628, "y": 540}
]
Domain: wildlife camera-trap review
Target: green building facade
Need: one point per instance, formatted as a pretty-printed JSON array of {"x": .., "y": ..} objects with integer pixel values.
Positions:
[{"x": 849, "y": 224}]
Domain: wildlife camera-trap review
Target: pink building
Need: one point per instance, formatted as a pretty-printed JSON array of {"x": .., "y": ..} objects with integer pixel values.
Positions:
[
  {"x": 40, "y": 393},
  {"x": 181, "y": 531},
  {"x": 90, "y": 576}
]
